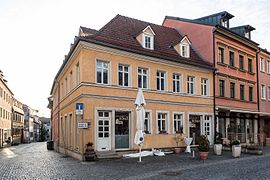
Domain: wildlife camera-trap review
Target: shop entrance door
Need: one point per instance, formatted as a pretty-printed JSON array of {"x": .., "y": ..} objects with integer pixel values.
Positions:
[
  {"x": 195, "y": 127},
  {"x": 104, "y": 131},
  {"x": 122, "y": 130}
]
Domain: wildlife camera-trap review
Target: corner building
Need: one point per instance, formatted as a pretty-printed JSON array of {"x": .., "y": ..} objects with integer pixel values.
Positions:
[{"x": 104, "y": 70}]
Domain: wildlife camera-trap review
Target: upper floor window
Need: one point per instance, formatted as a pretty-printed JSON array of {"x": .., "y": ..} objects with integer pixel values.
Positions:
[
  {"x": 242, "y": 92},
  {"x": 268, "y": 66},
  {"x": 191, "y": 85},
  {"x": 77, "y": 73},
  {"x": 123, "y": 75},
  {"x": 262, "y": 65},
  {"x": 232, "y": 89},
  {"x": 160, "y": 80},
  {"x": 263, "y": 91},
  {"x": 148, "y": 41},
  {"x": 250, "y": 65},
  {"x": 225, "y": 23},
  {"x": 178, "y": 123},
  {"x": 221, "y": 88},
  {"x": 231, "y": 58},
  {"x": 268, "y": 93},
  {"x": 250, "y": 92},
  {"x": 204, "y": 87},
  {"x": 241, "y": 62},
  {"x": 247, "y": 35},
  {"x": 184, "y": 50},
  {"x": 177, "y": 83},
  {"x": 220, "y": 55},
  {"x": 102, "y": 72},
  {"x": 142, "y": 78}
]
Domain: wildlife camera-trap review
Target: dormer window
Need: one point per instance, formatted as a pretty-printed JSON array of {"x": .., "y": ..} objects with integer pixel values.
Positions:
[
  {"x": 183, "y": 48},
  {"x": 225, "y": 23},
  {"x": 146, "y": 38},
  {"x": 148, "y": 41},
  {"x": 247, "y": 35}
]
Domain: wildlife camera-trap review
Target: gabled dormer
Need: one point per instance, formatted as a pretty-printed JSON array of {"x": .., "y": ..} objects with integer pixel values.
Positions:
[
  {"x": 183, "y": 47},
  {"x": 146, "y": 38}
]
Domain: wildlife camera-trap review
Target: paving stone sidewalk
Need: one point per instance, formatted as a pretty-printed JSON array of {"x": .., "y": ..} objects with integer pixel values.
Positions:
[{"x": 34, "y": 161}]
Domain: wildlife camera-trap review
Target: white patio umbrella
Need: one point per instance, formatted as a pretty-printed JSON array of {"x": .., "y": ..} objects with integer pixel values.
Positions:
[{"x": 139, "y": 102}]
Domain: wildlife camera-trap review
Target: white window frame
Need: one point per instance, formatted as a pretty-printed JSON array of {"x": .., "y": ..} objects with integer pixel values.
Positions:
[
  {"x": 205, "y": 87},
  {"x": 151, "y": 43},
  {"x": 167, "y": 125},
  {"x": 263, "y": 91},
  {"x": 268, "y": 66},
  {"x": 190, "y": 84},
  {"x": 181, "y": 120},
  {"x": 102, "y": 70},
  {"x": 149, "y": 121},
  {"x": 268, "y": 93},
  {"x": 160, "y": 78},
  {"x": 123, "y": 75},
  {"x": 175, "y": 81},
  {"x": 142, "y": 74},
  {"x": 262, "y": 65},
  {"x": 185, "y": 50}
]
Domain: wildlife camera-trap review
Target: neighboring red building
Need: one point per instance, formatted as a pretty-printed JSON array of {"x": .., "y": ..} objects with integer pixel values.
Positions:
[
  {"x": 234, "y": 55},
  {"x": 264, "y": 92}
]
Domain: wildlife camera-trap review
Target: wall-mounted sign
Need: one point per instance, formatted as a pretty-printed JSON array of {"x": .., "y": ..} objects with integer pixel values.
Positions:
[
  {"x": 79, "y": 109},
  {"x": 83, "y": 125}
]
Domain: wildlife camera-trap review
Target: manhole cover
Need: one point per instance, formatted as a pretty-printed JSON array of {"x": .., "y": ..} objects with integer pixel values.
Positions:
[{"x": 171, "y": 173}]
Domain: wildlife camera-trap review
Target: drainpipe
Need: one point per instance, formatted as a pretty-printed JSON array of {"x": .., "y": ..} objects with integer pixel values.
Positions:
[
  {"x": 214, "y": 84},
  {"x": 258, "y": 90}
]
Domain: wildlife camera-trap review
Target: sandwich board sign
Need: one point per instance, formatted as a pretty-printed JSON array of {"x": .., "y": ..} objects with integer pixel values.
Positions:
[{"x": 79, "y": 108}]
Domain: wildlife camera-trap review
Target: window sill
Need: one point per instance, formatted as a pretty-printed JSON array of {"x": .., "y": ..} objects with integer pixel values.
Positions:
[
  {"x": 242, "y": 70},
  {"x": 147, "y": 132},
  {"x": 232, "y": 67},
  {"x": 163, "y": 132},
  {"x": 222, "y": 64},
  {"x": 251, "y": 73}
]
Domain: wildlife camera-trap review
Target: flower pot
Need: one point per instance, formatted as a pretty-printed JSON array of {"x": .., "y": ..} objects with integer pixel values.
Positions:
[
  {"x": 203, "y": 155},
  {"x": 218, "y": 149},
  {"x": 236, "y": 150},
  {"x": 177, "y": 150}
]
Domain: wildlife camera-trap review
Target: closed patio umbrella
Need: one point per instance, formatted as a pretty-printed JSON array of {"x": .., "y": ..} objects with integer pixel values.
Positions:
[{"x": 139, "y": 102}]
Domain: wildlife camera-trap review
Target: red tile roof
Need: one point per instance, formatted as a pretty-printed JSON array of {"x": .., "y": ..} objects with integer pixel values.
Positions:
[{"x": 121, "y": 32}]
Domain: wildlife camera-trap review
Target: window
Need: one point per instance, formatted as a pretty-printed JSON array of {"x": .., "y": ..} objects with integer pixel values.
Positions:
[
  {"x": 177, "y": 83},
  {"x": 148, "y": 41},
  {"x": 220, "y": 55},
  {"x": 204, "y": 87},
  {"x": 263, "y": 93},
  {"x": 70, "y": 80},
  {"x": 268, "y": 93},
  {"x": 241, "y": 62},
  {"x": 178, "y": 123},
  {"x": 147, "y": 123},
  {"x": 250, "y": 65},
  {"x": 102, "y": 72},
  {"x": 225, "y": 23},
  {"x": 184, "y": 50},
  {"x": 232, "y": 89},
  {"x": 123, "y": 75},
  {"x": 161, "y": 122},
  {"x": 77, "y": 73},
  {"x": 191, "y": 85},
  {"x": 160, "y": 80},
  {"x": 70, "y": 130},
  {"x": 142, "y": 78},
  {"x": 221, "y": 88},
  {"x": 268, "y": 67},
  {"x": 250, "y": 93},
  {"x": 262, "y": 65},
  {"x": 66, "y": 86},
  {"x": 231, "y": 58},
  {"x": 247, "y": 35},
  {"x": 242, "y": 90}
]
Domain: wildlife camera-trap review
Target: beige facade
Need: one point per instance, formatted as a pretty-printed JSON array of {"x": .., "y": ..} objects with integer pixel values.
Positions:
[
  {"x": 17, "y": 122},
  {"x": 5, "y": 112},
  {"x": 109, "y": 107}
]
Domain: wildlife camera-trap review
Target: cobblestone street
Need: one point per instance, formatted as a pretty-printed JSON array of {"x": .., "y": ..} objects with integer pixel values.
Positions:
[{"x": 33, "y": 161}]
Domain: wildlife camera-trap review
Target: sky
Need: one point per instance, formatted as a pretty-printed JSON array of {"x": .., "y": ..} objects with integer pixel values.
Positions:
[{"x": 35, "y": 35}]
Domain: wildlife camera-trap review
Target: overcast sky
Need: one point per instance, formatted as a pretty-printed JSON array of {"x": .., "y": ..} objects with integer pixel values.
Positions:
[{"x": 35, "y": 35}]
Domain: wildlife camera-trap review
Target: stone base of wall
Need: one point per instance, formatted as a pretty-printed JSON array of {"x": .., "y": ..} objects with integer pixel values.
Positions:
[
  {"x": 267, "y": 142},
  {"x": 70, "y": 153}
]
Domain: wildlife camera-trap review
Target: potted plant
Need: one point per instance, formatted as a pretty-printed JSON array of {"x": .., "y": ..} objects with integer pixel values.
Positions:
[
  {"x": 178, "y": 138},
  {"x": 203, "y": 146},
  {"x": 90, "y": 154},
  {"x": 218, "y": 144},
  {"x": 236, "y": 148}
]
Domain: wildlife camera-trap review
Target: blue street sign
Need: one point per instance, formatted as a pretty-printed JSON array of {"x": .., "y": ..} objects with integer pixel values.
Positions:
[{"x": 79, "y": 106}]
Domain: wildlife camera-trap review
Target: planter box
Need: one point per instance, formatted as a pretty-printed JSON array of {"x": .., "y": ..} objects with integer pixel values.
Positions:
[
  {"x": 218, "y": 149},
  {"x": 236, "y": 150}
]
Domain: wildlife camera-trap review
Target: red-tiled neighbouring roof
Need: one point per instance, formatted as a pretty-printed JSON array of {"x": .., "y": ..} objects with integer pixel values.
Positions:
[{"x": 121, "y": 31}]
